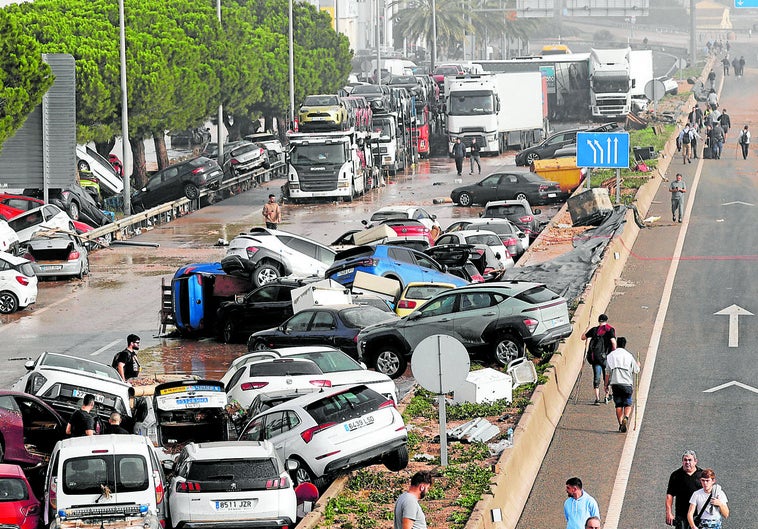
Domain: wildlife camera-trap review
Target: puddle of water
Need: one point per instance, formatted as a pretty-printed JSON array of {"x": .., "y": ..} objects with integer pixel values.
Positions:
[{"x": 205, "y": 358}]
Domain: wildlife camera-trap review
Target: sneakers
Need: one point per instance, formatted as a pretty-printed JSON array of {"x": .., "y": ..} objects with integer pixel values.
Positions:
[
  {"x": 597, "y": 402},
  {"x": 607, "y": 399},
  {"x": 622, "y": 426},
  {"x": 680, "y": 221}
]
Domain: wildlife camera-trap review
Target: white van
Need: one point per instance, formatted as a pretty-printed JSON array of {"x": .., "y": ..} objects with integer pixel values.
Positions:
[{"x": 104, "y": 482}]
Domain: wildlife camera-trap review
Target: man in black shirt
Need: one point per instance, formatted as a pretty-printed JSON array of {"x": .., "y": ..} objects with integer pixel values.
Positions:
[
  {"x": 682, "y": 483},
  {"x": 81, "y": 422},
  {"x": 125, "y": 362},
  {"x": 114, "y": 424},
  {"x": 475, "y": 156}
]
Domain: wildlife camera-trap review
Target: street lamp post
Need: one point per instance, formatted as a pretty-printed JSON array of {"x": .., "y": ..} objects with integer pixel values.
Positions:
[
  {"x": 125, "y": 149},
  {"x": 220, "y": 136},
  {"x": 434, "y": 34},
  {"x": 292, "y": 71}
]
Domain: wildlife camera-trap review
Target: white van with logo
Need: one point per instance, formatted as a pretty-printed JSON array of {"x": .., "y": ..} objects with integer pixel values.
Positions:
[{"x": 104, "y": 482}]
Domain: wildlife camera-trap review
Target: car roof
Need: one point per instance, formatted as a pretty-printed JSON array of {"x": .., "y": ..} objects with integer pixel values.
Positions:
[
  {"x": 230, "y": 450},
  {"x": 79, "y": 369},
  {"x": 466, "y": 233},
  {"x": 8, "y": 470},
  {"x": 13, "y": 259},
  {"x": 513, "y": 286},
  {"x": 506, "y": 202},
  {"x": 113, "y": 443}
]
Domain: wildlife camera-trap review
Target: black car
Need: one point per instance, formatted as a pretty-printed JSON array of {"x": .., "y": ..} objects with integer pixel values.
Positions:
[
  {"x": 76, "y": 202},
  {"x": 503, "y": 186},
  {"x": 186, "y": 178},
  {"x": 559, "y": 140},
  {"x": 335, "y": 325},
  {"x": 265, "y": 307}
]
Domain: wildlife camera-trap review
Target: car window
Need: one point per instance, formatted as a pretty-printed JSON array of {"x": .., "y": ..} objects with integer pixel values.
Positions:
[
  {"x": 538, "y": 294},
  {"x": 244, "y": 474},
  {"x": 265, "y": 293},
  {"x": 87, "y": 475},
  {"x": 80, "y": 364},
  {"x": 364, "y": 316},
  {"x": 476, "y": 300},
  {"x": 13, "y": 489},
  {"x": 284, "y": 294},
  {"x": 489, "y": 240},
  {"x": 491, "y": 180},
  {"x": 424, "y": 291},
  {"x": 275, "y": 424},
  {"x": 322, "y": 321},
  {"x": 154, "y": 181},
  {"x": 352, "y": 403},
  {"x": 254, "y": 430},
  {"x": 426, "y": 262},
  {"x": 332, "y": 361},
  {"x": 236, "y": 377},
  {"x": 401, "y": 254},
  {"x": 170, "y": 174},
  {"x": 283, "y": 368},
  {"x": 8, "y": 403},
  {"x": 446, "y": 239},
  {"x": 511, "y": 179},
  {"x": 304, "y": 247},
  {"x": 421, "y": 214},
  {"x": 299, "y": 322},
  {"x": 439, "y": 306},
  {"x": 325, "y": 255}
]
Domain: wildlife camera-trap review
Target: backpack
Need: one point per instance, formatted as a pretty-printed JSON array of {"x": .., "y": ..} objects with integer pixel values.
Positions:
[
  {"x": 742, "y": 138},
  {"x": 686, "y": 137},
  {"x": 596, "y": 352}
]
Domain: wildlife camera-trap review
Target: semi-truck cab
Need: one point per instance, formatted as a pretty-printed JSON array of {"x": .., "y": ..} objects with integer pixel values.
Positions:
[{"x": 610, "y": 83}]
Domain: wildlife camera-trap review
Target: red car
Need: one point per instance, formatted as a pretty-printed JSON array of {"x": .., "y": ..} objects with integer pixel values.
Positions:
[
  {"x": 12, "y": 205},
  {"x": 18, "y": 504},
  {"x": 29, "y": 429}
]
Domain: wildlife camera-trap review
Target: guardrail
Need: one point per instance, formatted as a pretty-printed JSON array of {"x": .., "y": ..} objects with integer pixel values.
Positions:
[{"x": 132, "y": 225}]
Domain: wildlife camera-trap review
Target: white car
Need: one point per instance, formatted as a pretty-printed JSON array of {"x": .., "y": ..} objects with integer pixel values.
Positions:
[
  {"x": 505, "y": 229},
  {"x": 274, "y": 375},
  {"x": 231, "y": 484},
  {"x": 338, "y": 367},
  {"x": 47, "y": 217},
  {"x": 332, "y": 431},
  {"x": 18, "y": 283},
  {"x": 90, "y": 160},
  {"x": 62, "y": 381},
  {"x": 269, "y": 254},
  {"x": 485, "y": 237},
  {"x": 8, "y": 238},
  {"x": 404, "y": 212}
]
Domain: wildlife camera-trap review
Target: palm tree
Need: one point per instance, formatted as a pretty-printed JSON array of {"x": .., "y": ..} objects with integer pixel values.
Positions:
[{"x": 414, "y": 19}]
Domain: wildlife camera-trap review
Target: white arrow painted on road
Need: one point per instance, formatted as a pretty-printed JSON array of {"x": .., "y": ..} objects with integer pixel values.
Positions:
[
  {"x": 737, "y": 202},
  {"x": 734, "y": 312},
  {"x": 730, "y": 384}
]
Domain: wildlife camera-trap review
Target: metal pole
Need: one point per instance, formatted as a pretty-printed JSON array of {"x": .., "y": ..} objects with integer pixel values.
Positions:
[
  {"x": 125, "y": 149},
  {"x": 442, "y": 407},
  {"x": 693, "y": 36},
  {"x": 434, "y": 35},
  {"x": 378, "y": 45},
  {"x": 618, "y": 185},
  {"x": 337, "y": 16},
  {"x": 292, "y": 71},
  {"x": 219, "y": 134}
]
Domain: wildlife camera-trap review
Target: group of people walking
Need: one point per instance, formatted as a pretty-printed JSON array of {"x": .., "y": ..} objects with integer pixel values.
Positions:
[{"x": 458, "y": 153}]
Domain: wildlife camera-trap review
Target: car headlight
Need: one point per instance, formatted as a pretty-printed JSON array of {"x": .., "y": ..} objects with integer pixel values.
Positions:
[{"x": 35, "y": 383}]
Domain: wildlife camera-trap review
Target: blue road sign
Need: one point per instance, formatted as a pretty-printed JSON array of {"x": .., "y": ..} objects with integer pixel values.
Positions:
[
  {"x": 602, "y": 149},
  {"x": 745, "y": 3}
]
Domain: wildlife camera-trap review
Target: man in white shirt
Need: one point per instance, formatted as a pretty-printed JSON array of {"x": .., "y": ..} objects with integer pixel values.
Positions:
[{"x": 622, "y": 367}]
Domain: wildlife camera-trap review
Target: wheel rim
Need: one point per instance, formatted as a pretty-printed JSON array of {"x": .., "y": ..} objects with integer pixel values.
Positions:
[
  {"x": 388, "y": 362},
  {"x": 531, "y": 157},
  {"x": 521, "y": 196},
  {"x": 7, "y": 303},
  {"x": 228, "y": 332},
  {"x": 260, "y": 346},
  {"x": 267, "y": 275},
  {"x": 191, "y": 192},
  {"x": 302, "y": 475},
  {"x": 74, "y": 210},
  {"x": 465, "y": 199},
  {"x": 506, "y": 351}
]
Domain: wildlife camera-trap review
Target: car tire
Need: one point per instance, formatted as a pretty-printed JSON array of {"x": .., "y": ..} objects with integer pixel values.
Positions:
[
  {"x": 228, "y": 332},
  {"x": 465, "y": 199},
  {"x": 397, "y": 460},
  {"x": 8, "y": 304},
  {"x": 507, "y": 348},
  {"x": 303, "y": 474},
  {"x": 73, "y": 210},
  {"x": 82, "y": 165},
  {"x": 521, "y": 196},
  {"x": 260, "y": 345},
  {"x": 265, "y": 273},
  {"x": 191, "y": 191},
  {"x": 389, "y": 361},
  {"x": 531, "y": 157},
  {"x": 85, "y": 269}
]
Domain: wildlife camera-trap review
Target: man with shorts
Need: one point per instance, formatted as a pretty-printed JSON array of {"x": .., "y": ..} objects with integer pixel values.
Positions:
[{"x": 622, "y": 367}]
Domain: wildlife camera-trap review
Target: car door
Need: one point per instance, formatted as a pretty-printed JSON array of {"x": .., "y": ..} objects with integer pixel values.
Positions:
[
  {"x": 436, "y": 317},
  {"x": 476, "y": 311},
  {"x": 296, "y": 330},
  {"x": 302, "y": 257},
  {"x": 278, "y": 427},
  {"x": 266, "y": 307},
  {"x": 404, "y": 265},
  {"x": 446, "y": 239},
  {"x": 151, "y": 196},
  {"x": 13, "y": 431},
  {"x": 43, "y": 428},
  {"x": 322, "y": 329}
]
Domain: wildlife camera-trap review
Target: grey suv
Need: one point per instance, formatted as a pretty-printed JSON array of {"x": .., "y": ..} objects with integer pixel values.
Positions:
[
  {"x": 502, "y": 319},
  {"x": 183, "y": 179}
]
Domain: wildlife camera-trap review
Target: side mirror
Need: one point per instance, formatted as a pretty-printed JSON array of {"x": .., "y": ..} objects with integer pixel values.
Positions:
[
  {"x": 29, "y": 365},
  {"x": 536, "y": 211},
  {"x": 291, "y": 465}
]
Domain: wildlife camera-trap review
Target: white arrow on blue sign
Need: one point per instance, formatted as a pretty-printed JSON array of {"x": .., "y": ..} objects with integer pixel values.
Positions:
[
  {"x": 745, "y": 3},
  {"x": 602, "y": 149}
]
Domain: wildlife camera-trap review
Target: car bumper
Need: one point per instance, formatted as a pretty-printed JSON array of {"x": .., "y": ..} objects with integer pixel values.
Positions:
[
  {"x": 364, "y": 457},
  {"x": 57, "y": 269},
  {"x": 556, "y": 334},
  {"x": 236, "y": 524}
]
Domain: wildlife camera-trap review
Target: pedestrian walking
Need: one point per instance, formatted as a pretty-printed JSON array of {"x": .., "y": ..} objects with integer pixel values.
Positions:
[
  {"x": 602, "y": 342},
  {"x": 744, "y": 141},
  {"x": 125, "y": 362},
  {"x": 725, "y": 62},
  {"x": 709, "y": 505},
  {"x": 622, "y": 367},
  {"x": 81, "y": 422},
  {"x": 695, "y": 117},
  {"x": 713, "y": 99},
  {"x": 408, "y": 512},
  {"x": 272, "y": 213},
  {"x": 474, "y": 156},
  {"x": 736, "y": 66},
  {"x": 458, "y": 153},
  {"x": 677, "y": 190},
  {"x": 717, "y": 140},
  {"x": 726, "y": 123},
  {"x": 114, "y": 425},
  {"x": 712, "y": 79},
  {"x": 593, "y": 522},
  {"x": 683, "y": 483},
  {"x": 579, "y": 506},
  {"x": 742, "y": 65},
  {"x": 685, "y": 140}
]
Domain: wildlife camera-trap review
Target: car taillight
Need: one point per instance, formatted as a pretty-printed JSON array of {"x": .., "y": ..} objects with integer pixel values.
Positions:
[
  {"x": 510, "y": 241},
  {"x": 247, "y": 386},
  {"x": 278, "y": 483},
  {"x": 480, "y": 251},
  {"x": 158, "y": 488},
  {"x": 22, "y": 280},
  {"x": 543, "y": 188},
  {"x": 477, "y": 278},
  {"x": 308, "y": 434},
  {"x": 54, "y": 493},
  {"x": 186, "y": 486},
  {"x": 28, "y": 256},
  {"x": 320, "y": 383},
  {"x": 73, "y": 255},
  {"x": 368, "y": 262},
  {"x": 234, "y": 161},
  {"x": 526, "y": 218},
  {"x": 198, "y": 170},
  {"x": 28, "y": 510},
  {"x": 251, "y": 250},
  {"x": 389, "y": 403},
  {"x": 531, "y": 324},
  {"x": 406, "y": 304}
]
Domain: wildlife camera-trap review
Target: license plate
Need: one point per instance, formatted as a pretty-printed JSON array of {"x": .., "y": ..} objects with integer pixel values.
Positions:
[
  {"x": 50, "y": 268},
  {"x": 214, "y": 173},
  {"x": 79, "y": 393},
  {"x": 551, "y": 195},
  {"x": 192, "y": 401},
  {"x": 346, "y": 271},
  {"x": 233, "y": 505},
  {"x": 359, "y": 423},
  {"x": 317, "y": 119},
  {"x": 556, "y": 321}
]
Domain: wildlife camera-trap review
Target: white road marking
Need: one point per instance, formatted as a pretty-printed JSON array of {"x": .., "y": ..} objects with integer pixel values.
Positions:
[
  {"x": 105, "y": 347},
  {"x": 730, "y": 384},
  {"x": 734, "y": 312},
  {"x": 630, "y": 445}
]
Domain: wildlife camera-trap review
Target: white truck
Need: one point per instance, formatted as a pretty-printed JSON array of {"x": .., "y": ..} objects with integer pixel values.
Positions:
[
  {"x": 610, "y": 82},
  {"x": 641, "y": 72},
  {"x": 499, "y": 110}
]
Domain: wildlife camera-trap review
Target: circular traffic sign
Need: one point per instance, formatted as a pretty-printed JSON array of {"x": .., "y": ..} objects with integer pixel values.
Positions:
[
  {"x": 655, "y": 90},
  {"x": 440, "y": 363}
]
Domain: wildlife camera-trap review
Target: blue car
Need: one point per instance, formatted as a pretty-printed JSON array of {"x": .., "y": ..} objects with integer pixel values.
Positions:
[{"x": 394, "y": 262}]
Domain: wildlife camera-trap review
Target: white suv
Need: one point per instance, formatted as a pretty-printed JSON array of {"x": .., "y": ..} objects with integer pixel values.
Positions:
[
  {"x": 269, "y": 254},
  {"x": 332, "y": 431},
  {"x": 18, "y": 283},
  {"x": 231, "y": 484}
]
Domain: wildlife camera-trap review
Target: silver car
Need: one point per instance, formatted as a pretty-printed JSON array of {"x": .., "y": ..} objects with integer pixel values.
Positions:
[{"x": 56, "y": 254}]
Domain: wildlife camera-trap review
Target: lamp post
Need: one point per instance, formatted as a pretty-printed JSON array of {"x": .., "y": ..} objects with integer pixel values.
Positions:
[
  {"x": 292, "y": 71},
  {"x": 434, "y": 34},
  {"x": 220, "y": 136},
  {"x": 378, "y": 43},
  {"x": 125, "y": 149}
]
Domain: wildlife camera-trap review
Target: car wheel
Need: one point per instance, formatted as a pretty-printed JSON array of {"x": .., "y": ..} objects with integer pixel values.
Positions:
[
  {"x": 82, "y": 165},
  {"x": 465, "y": 199},
  {"x": 507, "y": 348},
  {"x": 265, "y": 273},
  {"x": 73, "y": 210},
  {"x": 304, "y": 475},
  {"x": 521, "y": 196},
  {"x": 191, "y": 191},
  {"x": 8, "y": 302},
  {"x": 531, "y": 157},
  {"x": 397, "y": 460},
  {"x": 390, "y": 362},
  {"x": 85, "y": 269},
  {"x": 229, "y": 332},
  {"x": 260, "y": 345}
]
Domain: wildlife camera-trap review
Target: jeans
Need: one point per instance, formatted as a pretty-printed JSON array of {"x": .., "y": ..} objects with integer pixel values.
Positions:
[
  {"x": 459, "y": 165},
  {"x": 745, "y": 150},
  {"x": 677, "y": 206},
  {"x": 475, "y": 159},
  {"x": 716, "y": 148},
  {"x": 597, "y": 372}
]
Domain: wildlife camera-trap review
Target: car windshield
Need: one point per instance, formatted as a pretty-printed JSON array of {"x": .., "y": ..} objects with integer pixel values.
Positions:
[
  {"x": 380, "y": 216},
  {"x": 364, "y": 316},
  {"x": 367, "y": 89},
  {"x": 80, "y": 364},
  {"x": 382, "y": 126},
  {"x": 489, "y": 240},
  {"x": 242, "y": 149},
  {"x": 502, "y": 211},
  {"x": 499, "y": 228},
  {"x": 318, "y": 154},
  {"x": 446, "y": 70},
  {"x": 471, "y": 103},
  {"x": 13, "y": 489},
  {"x": 283, "y": 368},
  {"x": 352, "y": 403},
  {"x": 332, "y": 361},
  {"x": 321, "y": 101},
  {"x": 404, "y": 80}
]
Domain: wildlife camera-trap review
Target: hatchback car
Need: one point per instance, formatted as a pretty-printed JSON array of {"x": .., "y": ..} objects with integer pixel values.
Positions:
[
  {"x": 514, "y": 239},
  {"x": 519, "y": 212},
  {"x": 558, "y": 140},
  {"x": 47, "y": 217},
  {"x": 74, "y": 200},
  {"x": 404, "y": 212},
  {"x": 89, "y": 160},
  {"x": 335, "y": 325},
  {"x": 14, "y": 205},
  {"x": 18, "y": 284},
  {"x": 185, "y": 179},
  {"x": 57, "y": 254},
  {"x": 231, "y": 484},
  {"x": 502, "y": 186},
  {"x": 323, "y": 112},
  {"x": 19, "y": 508},
  {"x": 500, "y": 319},
  {"x": 269, "y": 254},
  {"x": 243, "y": 157},
  {"x": 394, "y": 262},
  {"x": 333, "y": 431},
  {"x": 485, "y": 237}
]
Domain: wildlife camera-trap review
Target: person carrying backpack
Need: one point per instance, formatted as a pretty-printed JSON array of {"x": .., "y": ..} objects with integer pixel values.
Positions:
[{"x": 602, "y": 341}]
